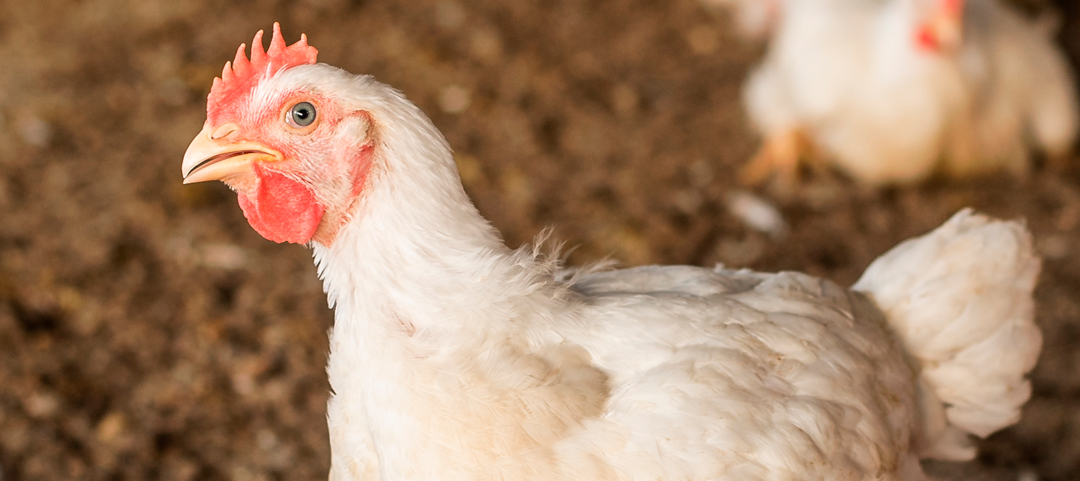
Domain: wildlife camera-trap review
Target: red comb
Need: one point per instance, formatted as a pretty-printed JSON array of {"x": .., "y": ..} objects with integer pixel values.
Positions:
[{"x": 240, "y": 76}]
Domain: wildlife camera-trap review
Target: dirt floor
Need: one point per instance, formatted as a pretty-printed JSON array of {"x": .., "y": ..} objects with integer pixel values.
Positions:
[{"x": 146, "y": 332}]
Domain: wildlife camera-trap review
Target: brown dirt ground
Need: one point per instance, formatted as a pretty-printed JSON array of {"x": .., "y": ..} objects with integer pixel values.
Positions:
[{"x": 146, "y": 332}]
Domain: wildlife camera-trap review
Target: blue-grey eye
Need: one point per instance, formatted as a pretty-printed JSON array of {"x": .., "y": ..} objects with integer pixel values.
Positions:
[{"x": 301, "y": 115}]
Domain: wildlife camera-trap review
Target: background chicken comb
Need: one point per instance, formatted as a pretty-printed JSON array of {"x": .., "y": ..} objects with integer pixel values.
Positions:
[{"x": 241, "y": 75}]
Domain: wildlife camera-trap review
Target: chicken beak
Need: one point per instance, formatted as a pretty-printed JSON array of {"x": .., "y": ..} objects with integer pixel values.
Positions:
[{"x": 212, "y": 156}]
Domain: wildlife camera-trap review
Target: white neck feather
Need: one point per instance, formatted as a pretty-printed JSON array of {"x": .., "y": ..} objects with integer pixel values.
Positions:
[{"x": 423, "y": 286}]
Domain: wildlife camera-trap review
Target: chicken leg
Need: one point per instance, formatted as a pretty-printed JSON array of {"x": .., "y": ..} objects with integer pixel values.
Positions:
[{"x": 780, "y": 157}]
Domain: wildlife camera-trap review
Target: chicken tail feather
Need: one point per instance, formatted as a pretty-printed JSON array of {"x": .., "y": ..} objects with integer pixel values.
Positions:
[{"x": 960, "y": 300}]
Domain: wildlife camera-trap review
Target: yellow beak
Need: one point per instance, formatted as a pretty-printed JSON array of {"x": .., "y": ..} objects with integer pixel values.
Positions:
[{"x": 211, "y": 156}]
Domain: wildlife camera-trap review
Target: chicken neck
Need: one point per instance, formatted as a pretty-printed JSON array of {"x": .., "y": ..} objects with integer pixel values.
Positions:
[{"x": 432, "y": 354}]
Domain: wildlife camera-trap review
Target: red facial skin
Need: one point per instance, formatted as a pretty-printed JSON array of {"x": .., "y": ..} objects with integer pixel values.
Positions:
[
  {"x": 278, "y": 199},
  {"x": 953, "y": 8}
]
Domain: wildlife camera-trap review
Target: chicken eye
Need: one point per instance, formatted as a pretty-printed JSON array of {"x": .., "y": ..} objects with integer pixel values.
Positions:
[{"x": 301, "y": 115}]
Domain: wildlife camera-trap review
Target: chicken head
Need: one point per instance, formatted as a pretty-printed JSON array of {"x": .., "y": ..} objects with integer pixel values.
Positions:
[{"x": 294, "y": 154}]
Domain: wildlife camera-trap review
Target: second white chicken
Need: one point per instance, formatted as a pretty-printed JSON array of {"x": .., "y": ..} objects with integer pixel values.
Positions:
[{"x": 891, "y": 91}]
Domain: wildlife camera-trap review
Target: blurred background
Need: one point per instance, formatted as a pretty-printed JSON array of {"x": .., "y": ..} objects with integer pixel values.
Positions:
[{"x": 146, "y": 332}]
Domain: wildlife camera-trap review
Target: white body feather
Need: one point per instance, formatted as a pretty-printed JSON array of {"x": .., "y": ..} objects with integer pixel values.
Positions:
[
  {"x": 960, "y": 299},
  {"x": 850, "y": 74},
  {"x": 455, "y": 358}
]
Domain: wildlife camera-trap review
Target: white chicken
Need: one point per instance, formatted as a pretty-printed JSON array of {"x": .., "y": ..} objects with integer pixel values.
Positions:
[
  {"x": 893, "y": 90},
  {"x": 453, "y": 357}
]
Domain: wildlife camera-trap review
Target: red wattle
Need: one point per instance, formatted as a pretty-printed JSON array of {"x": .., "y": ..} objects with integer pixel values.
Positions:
[
  {"x": 926, "y": 39},
  {"x": 282, "y": 209}
]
